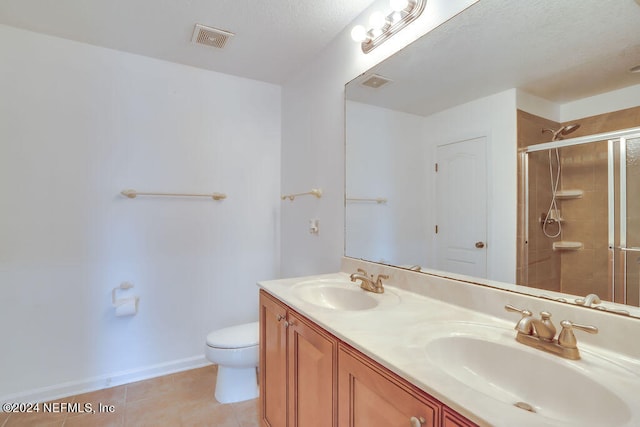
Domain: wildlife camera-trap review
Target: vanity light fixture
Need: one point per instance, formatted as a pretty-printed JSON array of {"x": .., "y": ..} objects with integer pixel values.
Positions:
[{"x": 384, "y": 26}]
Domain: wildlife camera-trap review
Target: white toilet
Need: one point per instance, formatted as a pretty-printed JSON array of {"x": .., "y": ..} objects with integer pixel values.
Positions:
[{"x": 235, "y": 351}]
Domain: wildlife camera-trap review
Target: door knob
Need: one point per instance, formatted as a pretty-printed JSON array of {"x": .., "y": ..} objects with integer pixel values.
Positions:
[{"x": 479, "y": 245}]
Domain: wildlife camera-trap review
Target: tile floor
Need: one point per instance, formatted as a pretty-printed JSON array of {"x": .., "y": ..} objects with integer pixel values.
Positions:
[{"x": 177, "y": 400}]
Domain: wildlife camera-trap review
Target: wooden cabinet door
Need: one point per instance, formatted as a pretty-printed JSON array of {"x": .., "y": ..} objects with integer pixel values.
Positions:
[
  {"x": 309, "y": 379},
  {"x": 273, "y": 362},
  {"x": 312, "y": 374},
  {"x": 450, "y": 418},
  {"x": 370, "y": 396}
]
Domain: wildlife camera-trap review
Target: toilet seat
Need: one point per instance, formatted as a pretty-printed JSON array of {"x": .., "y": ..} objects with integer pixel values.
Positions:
[{"x": 233, "y": 337}]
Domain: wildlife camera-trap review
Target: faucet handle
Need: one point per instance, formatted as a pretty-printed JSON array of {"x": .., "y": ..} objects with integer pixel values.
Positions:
[
  {"x": 363, "y": 271},
  {"x": 381, "y": 276},
  {"x": 525, "y": 312},
  {"x": 567, "y": 339},
  {"x": 524, "y": 325}
]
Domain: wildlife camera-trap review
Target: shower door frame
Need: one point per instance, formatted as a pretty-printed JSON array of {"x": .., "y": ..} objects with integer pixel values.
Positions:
[{"x": 620, "y": 137}]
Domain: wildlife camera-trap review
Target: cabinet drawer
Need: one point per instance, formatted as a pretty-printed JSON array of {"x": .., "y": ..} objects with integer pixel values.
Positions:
[{"x": 369, "y": 395}]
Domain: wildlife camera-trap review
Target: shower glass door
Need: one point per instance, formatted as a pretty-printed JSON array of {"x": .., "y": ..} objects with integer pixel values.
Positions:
[
  {"x": 581, "y": 215},
  {"x": 625, "y": 183},
  {"x": 567, "y": 245}
]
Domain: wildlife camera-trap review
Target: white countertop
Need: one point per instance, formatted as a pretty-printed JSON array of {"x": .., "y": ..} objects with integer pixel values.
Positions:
[{"x": 395, "y": 332}]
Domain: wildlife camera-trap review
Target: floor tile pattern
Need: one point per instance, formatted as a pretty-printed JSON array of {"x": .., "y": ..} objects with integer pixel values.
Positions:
[{"x": 184, "y": 399}]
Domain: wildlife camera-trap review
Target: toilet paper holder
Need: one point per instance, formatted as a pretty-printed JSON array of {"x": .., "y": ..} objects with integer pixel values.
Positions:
[
  {"x": 124, "y": 286},
  {"x": 124, "y": 306}
]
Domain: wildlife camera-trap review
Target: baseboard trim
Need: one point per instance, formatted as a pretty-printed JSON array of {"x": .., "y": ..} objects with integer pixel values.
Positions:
[{"x": 59, "y": 391}]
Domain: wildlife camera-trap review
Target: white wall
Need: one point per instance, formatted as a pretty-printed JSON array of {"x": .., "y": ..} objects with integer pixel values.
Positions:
[
  {"x": 78, "y": 124},
  {"x": 313, "y": 139},
  {"x": 598, "y": 104},
  {"x": 494, "y": 117},
  {"x": 607, "y": 102},
  {"x": 385, "y": 158},
  {"x": 415, "y": 142},
  {"x": 538, "y": 106}
]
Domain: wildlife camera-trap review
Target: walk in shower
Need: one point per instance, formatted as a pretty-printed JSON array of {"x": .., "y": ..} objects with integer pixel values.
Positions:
[{"x": 581, "y": 213}]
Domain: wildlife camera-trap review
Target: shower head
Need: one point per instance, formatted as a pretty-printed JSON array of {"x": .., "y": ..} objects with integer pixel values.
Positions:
[{"x": 564, "y": 130}]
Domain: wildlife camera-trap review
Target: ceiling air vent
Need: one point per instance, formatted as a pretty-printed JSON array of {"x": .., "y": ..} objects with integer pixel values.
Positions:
[
  {"x": 211, "y": 37},
  {"x": 375, "y": 81}
]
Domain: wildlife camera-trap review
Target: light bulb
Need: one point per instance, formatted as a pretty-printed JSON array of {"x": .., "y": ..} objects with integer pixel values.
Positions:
[
  {"x": 377, "y": 20},
  {"x": 359, "y": 33},
  {"x": 399, "y": 5}
]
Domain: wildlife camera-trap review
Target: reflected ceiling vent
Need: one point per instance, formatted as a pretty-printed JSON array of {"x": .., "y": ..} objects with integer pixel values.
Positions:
[
  {"x": 375, "y": 81},
  {"x": 209, "y": 36}
]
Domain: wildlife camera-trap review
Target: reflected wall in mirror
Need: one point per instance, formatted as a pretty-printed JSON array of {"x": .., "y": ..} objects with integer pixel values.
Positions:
[{"x": 439, "y": 143}]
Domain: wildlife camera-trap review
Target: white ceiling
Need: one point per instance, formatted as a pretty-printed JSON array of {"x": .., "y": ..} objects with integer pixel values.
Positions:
[
  {"x": 272, "y": 38},
  {"x": 559, "y": 50}
]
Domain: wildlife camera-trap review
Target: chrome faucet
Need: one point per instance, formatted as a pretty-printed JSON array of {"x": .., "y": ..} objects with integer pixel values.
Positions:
[
  {"x": 367, "y": 282},
  {"x": 540, "y": 333}
]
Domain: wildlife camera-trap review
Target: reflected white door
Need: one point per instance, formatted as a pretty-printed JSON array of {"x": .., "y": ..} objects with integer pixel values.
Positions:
[{"x": 461, "y": 211}]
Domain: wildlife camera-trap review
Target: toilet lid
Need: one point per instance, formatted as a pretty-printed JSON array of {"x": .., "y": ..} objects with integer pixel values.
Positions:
[{"x": 235, "y": 336}]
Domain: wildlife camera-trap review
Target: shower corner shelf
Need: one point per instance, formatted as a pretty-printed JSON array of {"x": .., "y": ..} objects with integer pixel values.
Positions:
[
  {"x": 563, "y": 245},
  {"x": 569, "y": 194}
]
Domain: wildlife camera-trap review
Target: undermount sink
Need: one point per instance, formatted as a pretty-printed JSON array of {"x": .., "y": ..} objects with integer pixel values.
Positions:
[
  {"x": 340, "y": 295},
  {"x": 566, "y": 392}
]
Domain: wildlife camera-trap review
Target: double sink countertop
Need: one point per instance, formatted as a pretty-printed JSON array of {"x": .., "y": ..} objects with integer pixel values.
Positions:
[{"x": 468, "y": 359}]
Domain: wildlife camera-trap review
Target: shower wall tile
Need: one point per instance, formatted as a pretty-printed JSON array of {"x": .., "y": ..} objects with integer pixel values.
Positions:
[
  {"x": 577, "y": 286},
  {"x": 574, "y": 232},
  {"x": 544, "y": 268},
  {"x": 577, "y": 264},
  {"x": 577, "y": 209},
  {"x": 530, "y": 129},
  {"x": 601, "y": 205},
  {"x": 601, "y": 234},
  {"x": 601, "y": 165},
  {"x": 601, "y": 263}
]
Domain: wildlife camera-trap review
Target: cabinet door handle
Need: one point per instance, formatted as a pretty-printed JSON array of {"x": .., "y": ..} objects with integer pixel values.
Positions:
[
  {"x": 288, "y": 323},
  {"x": 280, "y": 317},
  {"x": 417, "y": 422}
]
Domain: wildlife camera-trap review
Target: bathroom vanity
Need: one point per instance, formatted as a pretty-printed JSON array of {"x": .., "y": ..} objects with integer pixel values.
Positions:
[
  {"x": 297, "y": 367},
  {"x": 312, "y": 378},
  {"x": 431, "y": 351}
]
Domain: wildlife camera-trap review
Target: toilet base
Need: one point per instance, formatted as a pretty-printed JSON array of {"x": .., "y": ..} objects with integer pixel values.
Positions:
[{"x": 236, "y": 384}]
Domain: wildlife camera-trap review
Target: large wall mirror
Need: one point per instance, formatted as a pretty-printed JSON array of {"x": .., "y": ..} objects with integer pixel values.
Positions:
[{"x": 502, "y": 145}]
